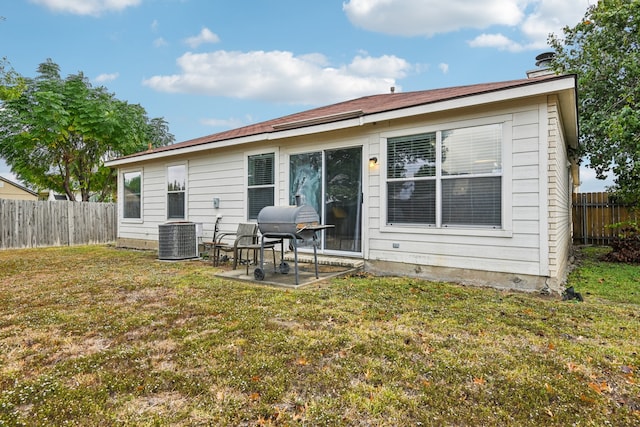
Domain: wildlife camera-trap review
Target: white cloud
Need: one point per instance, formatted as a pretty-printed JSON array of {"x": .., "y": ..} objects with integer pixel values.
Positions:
[
  {"x": 230, "y": 123},
  {"x": 429, "y": 17},
  {"x": 87, "y": 7},
  {"x": 102, "y": 78},
  {"x": 497, "y": 41},
  {"x": 443, "y": 67},
  {"x": 279, "y": 76},
  {"x": 530, "y": 21},
  {"x": 549, "y": 16},
  {"x": 205, "y": 36},
  {"x": 388, "y": 65},
  {"x": 155, "y": 25},
  {"x": 160, "y": 42}
]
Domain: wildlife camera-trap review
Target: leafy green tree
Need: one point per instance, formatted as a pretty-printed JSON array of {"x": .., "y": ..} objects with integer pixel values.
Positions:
[
  {"x": 11, "y": 83},
  {"x": 604, "y": 51},
  {"x": 57, "y": 133}
]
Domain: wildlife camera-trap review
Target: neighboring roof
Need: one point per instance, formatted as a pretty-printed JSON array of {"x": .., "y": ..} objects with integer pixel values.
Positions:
[
  {"x": 21, "y": 187},
  {"x": 348, "y": 110}
]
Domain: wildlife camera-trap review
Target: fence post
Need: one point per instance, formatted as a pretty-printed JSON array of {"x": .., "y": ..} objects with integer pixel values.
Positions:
[{"x": 583, "y": 200}]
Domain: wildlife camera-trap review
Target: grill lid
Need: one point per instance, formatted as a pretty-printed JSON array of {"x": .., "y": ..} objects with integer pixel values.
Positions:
[{"x": 287, "y": 219}]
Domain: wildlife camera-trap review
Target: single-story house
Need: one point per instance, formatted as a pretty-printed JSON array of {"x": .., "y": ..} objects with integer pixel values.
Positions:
[
  {"x": 470, "y": 184},
  {"x": 13, "y": 190}
]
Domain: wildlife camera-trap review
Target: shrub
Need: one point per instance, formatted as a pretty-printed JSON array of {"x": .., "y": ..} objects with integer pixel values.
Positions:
[{"x": 626, "y": 245}]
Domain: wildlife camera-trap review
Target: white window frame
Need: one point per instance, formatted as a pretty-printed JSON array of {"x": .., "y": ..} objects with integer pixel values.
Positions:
[
  {"x": 186, "y": 190},
  {"x": 506, "y": 230},
  {"x": 246, "y": 185},
  {"x": 122, "y": 196}
]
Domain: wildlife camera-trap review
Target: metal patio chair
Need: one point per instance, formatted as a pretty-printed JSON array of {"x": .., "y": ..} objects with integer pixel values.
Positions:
[{"x": 245, "y": 238}]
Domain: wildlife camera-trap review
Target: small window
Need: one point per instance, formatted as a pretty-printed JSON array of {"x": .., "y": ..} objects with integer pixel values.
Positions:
[
  {"x": 176, "y": 191},
  {"x": 132, "y": 196},
  {"x": 260, "y": 184}
]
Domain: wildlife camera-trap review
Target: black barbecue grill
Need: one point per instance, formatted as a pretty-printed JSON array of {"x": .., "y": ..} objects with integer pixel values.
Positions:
[{"x": 295, "y": 223}]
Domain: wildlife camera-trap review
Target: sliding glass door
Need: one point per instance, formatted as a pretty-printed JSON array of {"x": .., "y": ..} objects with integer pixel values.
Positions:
[{"x": 330, "y": 181}]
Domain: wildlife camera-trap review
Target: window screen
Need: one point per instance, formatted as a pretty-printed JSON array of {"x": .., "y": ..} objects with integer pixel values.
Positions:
[
  {"x": 411, "y": 185},
  {"x": 176, "y": 189},
  {"x": 132, "y": 195},
  {"x": 464, "y": 183},
  {"x": 260, "y": 185},
  {"x": 471, "y": 176}
]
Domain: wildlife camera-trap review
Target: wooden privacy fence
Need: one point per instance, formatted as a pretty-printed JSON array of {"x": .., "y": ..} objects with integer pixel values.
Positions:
[
  {"x": 28, "y": 224},
  {"x": 593, "y": 213}
]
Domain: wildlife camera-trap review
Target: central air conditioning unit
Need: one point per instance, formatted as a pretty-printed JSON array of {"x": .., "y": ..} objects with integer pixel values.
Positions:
[{"x": 178, "y": 240}]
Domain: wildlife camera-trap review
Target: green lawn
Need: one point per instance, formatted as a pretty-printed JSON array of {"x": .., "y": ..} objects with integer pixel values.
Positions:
[{"x": 100, "y": 336}]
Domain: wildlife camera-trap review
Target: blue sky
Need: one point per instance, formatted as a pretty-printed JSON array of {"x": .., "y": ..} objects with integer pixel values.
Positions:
[{"x": 210, "y": 65}]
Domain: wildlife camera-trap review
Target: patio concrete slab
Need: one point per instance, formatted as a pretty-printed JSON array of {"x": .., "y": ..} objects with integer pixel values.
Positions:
[{"x": 328, "y": 267}]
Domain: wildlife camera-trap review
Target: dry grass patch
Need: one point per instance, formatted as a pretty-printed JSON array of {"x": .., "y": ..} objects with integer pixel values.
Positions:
[{"x": 111, "y": 337}]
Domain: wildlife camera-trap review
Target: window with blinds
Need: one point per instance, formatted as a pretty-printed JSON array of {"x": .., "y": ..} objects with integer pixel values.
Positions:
[
  {"x": 411, "y": 184},
  {"x": 472, "y": 176},
  {"x": 446, "y": 178},
  {"x": 261, "y": 183}
]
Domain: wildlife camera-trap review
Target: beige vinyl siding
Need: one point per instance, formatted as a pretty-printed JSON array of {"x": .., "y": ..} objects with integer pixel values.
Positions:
[
  {"x": 559, "y": 194},
  {"x": 153, "y": 210},
  {"x": 222, "y": 176},
  {"x": 514, "y": 250}
]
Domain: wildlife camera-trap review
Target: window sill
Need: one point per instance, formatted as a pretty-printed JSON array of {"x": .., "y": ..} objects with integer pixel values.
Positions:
[{"x": 447, "y": 231}]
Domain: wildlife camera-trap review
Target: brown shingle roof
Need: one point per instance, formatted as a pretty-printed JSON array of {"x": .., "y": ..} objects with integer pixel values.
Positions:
[{"x": 356, "y": 107}]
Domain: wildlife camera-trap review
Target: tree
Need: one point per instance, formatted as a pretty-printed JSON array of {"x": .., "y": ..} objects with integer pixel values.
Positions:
[
  {"x": 604, "y": 51},
  {"x": 57, "y": 133},
  {"x": 11, "y": 83}
]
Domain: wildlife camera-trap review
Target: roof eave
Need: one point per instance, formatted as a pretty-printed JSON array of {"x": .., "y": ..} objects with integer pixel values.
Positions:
[{"x": 565, "y": 85}]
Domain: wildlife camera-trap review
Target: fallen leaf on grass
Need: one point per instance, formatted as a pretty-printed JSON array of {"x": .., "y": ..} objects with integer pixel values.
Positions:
[
  {"x": 479, "y": 381},
  {"x": 600, "y": 388},
  {"x": 302, "y": 361},
  {"x": 587, "y": 399},
  {"x": 367, "y": 374},
  {"x": 254, "y": 396},
  {"x": 627, "y": 372},
  {"x": 572, "y": 367}
]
